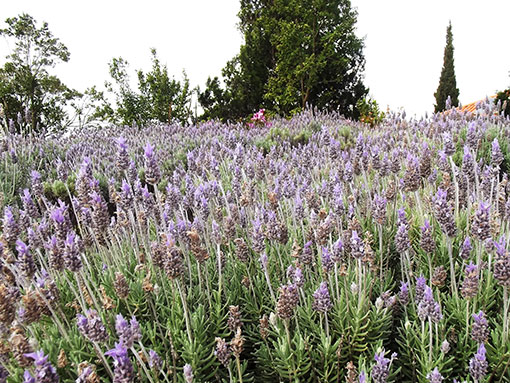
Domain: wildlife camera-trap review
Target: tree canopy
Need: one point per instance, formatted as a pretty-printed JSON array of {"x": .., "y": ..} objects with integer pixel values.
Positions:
[
  {"x": 159, "y": 97},
  {"x": 295, "y": 53},
  {"x": 31, "y": 97}
]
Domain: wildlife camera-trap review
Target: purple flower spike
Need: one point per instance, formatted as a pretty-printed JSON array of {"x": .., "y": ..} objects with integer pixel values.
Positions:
[
  {"x": 298, "y": 277},
  {"x": 357, "y": 246},
  {"x": 478, "y": 365},
  {"x": 155, "y": 360},
  {"x": 428, "y": 308},
  {"x": 443, "y": 213},
  {"x": 72, "y": 257},
  {"x": 152, "y": 172},
  {"x": 321, "y": 299},
  {"x": 496, "y": 155},
  {"x": 28, "y": 378},
  {"x": 149, "y": 150},
  {"x": 11, "y": 228},
  {"x": 123, "y": 372},
  {"x": 57, "y": 216},
  {"x": 435, "y": 376},
  {"x": 480, "y": 328},
  {"x": 121, "y": 141},
  {"x": 428, "y": 242},
  {"x": 35, "y": 176},
  {"x": 92, "y": 327},
  {"x": 403, "y": 294},
  {"x": 326, "y": 261},
  {"x": 381, "y": 369},
  {"x": 188, "y": 373},
  {"x": 502, "y": 263},
  {"x": 26, "y": 260},
  {"x": 401, "y": 217},
  {"x": 469, "y": 287},
  {"x": 421, "y": 284},
  {"x": 480, "y": 226},
  {"x": 379, "y": 209},
  {"x": 402, "y": 242},
  {"x": 466, "y": 248},
  {"x": 44, "y": 371},
  {"x": 128, "y": 333}
]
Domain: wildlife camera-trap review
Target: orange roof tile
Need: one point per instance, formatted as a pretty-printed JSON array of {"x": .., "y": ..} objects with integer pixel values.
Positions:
[{"x": 472, "y": 107}]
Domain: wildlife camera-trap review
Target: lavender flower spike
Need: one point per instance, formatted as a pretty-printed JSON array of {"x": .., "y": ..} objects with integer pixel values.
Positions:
[
  {"x": 466, "y": 248},
  {"x": 155, "y": 360},
  {"x": 480, "y": 328},
  {"x": 403, "y": 294},
  {"x": 357, "y": 246},
  {"x": 123, "y": 372},
  {"x": 480, "y": 226},
  {"x": 478, "y": 364},
  {"x": 321, "y": 299},
  {"x": 152, "y": 172},
  {"x": 188, "y": 373},
  {"x": 502, "y": 263},
  {"x": 44, "y": 371},
  {"x": 381, "y": 369},
  {"x": 496, "y": 155},
  {"x": 91, "y": 326},
  {"x": 128, "y": 333},
  {"x": 435, "y": 376},
  {"x": 429, "y": 308}
]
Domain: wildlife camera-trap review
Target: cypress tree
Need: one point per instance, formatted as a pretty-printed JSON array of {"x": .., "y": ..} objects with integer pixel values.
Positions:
[{"x": 447, "y": 82}]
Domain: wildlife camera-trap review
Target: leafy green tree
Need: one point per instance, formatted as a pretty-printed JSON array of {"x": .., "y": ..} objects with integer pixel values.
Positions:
[
  {"x": 90, "y": 109},
  {"x": 158, "y": 97},
  {"x": 214, "y": 101},
  {"x": 132, "y": 108},
  {"x": 30, "y": 96},
  {"x": 504, "y": 98},
  {"x": 295, "y": 53},
  {"x": 447, "y": 82}
]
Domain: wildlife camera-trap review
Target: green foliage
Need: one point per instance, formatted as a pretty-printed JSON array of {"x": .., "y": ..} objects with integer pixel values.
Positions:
[
  {"x": 30, "y": 96},
  {"x": 295, "y": 54},
  {"x": 447, "y": 82},
  {"x": 485, "y": 148},
  {"x": 504, "y": 98},
  {"x": 369, "y": 111},
  {"x": 278, "y": 134},
  {"x": 91, "y": 108},
  {"x": 159, "y": 97}
]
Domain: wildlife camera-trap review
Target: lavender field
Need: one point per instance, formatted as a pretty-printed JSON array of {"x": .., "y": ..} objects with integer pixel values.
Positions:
[{"x": 315, "y": 249}]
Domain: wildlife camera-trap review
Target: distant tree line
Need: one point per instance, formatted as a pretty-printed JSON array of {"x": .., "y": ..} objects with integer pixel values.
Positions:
[{"x": 296, "y": 53}]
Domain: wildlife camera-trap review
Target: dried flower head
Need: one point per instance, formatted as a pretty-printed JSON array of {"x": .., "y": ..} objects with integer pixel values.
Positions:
[
  {"x": 223, "y": 351},
  {"x": 237, "y": 343},
  {"x": 287, "y": 301},
  {"x": 234, "y": 318},
  {"x": 121, "y": 285}
]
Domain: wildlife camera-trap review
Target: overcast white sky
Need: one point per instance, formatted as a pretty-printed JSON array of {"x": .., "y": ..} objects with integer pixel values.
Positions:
[{"x": 404, "y": 42}]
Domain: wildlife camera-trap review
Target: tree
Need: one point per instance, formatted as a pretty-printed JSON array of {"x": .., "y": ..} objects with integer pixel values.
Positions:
[
  {"x": 295, "y": 53},
  {"x": 447, "y": 82},
  {"x": 159, "y": 97},
  {"x": 30, "y": 96}
]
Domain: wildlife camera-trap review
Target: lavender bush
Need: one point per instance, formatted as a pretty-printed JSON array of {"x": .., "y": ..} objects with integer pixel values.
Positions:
[{"x": 310, "y": 249}]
